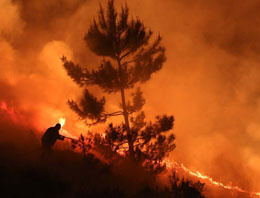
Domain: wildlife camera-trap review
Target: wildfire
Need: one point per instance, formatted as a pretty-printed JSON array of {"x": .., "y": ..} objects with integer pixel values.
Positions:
[
  {"x": 65, "y": 132},
  {"x": 175, "y": 165},
  {"x": 8, "y": 110},
  {"x": 62, "y": 121}
]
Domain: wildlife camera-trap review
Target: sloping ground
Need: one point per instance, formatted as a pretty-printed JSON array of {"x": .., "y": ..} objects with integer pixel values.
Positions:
[
  {"x": 63, "y": 174},
  {"x": 25, "y": 173}
]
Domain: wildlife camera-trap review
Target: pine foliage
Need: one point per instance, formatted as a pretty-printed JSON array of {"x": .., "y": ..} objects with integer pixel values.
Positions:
[{"x": 131, "y": 54}]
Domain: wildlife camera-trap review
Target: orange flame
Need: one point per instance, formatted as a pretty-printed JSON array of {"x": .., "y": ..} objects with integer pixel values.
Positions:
[
  {"x": 62, "y": 121},
  {"x": 175, "y": 165},
  {"x": 63, "y": 131}
]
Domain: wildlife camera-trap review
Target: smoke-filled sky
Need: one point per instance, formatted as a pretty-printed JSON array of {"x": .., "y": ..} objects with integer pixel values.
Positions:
[{"x": 210, "y": 81}]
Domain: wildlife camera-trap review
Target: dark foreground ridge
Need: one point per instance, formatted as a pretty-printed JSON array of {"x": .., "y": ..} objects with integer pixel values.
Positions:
[{"x": 68, "y": 174}]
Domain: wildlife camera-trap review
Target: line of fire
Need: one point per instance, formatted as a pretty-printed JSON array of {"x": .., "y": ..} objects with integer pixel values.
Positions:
[{"x": 129, "y": 99}]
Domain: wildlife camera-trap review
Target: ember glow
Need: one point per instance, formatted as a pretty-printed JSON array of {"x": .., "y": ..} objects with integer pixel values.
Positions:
[
  {"x": 171, "y": 164},
  {"x": 176, "y": 166},
  {"x": 210, "y": 81}
]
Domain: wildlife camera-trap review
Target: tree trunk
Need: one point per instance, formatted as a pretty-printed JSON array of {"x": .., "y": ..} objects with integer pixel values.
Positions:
[
  {"x": 127, "y": 125},
  {"x": 129, "y": 135}
]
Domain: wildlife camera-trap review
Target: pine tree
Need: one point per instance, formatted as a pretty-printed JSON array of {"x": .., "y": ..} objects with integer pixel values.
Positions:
[{"x": 129, "y": 58}]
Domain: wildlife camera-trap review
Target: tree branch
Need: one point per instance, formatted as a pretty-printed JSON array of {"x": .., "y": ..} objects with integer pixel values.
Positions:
[
  {"x": 126, "y": 54},
  {"x": 117, "y": 113},
  {"x": 127, "y": 62}
]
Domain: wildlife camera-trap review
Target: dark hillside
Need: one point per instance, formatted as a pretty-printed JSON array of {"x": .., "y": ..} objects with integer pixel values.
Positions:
[{"x": 24, "y": 173}]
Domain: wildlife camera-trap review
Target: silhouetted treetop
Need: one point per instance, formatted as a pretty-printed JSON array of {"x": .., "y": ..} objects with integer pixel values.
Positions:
[
  {"x": 125, "y": 41},
  {"x": 116, "y": 36},
  {"x": 131, "y": 54}
]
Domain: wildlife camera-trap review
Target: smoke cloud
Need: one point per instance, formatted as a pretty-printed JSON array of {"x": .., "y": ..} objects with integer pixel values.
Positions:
[{"x": 210, "y": 82}]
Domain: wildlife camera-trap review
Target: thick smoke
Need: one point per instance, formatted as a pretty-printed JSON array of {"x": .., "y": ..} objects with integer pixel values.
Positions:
[{"x": 210, "y": 81}]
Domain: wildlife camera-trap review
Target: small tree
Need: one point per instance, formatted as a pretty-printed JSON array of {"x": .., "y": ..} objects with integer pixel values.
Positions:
[
  {"x": 129, "y": 58},
  {"x": 182, "y": 188}
]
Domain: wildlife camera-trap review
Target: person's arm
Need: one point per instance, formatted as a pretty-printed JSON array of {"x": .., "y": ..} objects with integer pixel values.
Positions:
[{"x": 61, "y": 137}]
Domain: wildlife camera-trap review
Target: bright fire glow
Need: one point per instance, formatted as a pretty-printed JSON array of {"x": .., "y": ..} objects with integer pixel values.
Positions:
[
  {"x": 176, "y": 166},
  {"x": 62, "y": 121},
  {"x": 65, "y": 132}
]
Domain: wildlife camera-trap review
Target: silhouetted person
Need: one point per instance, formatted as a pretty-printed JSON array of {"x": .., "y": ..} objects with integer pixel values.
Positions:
[{"x": 50, "y": 137}]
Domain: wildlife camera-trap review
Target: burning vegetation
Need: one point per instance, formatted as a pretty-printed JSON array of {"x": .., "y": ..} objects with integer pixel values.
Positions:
[{"x": 114, "y": 143}]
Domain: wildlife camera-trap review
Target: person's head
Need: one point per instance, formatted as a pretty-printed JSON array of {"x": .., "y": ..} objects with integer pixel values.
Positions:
[{"x": 58, "y": 126}]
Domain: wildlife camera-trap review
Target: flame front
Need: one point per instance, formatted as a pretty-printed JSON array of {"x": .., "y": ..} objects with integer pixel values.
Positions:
[{"x": 175, "y": 165}]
